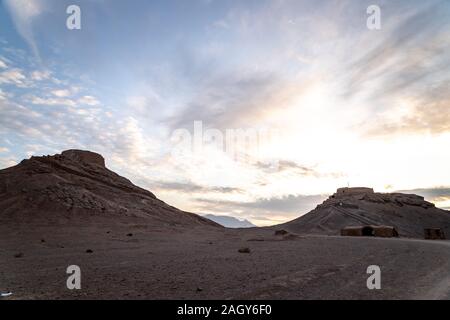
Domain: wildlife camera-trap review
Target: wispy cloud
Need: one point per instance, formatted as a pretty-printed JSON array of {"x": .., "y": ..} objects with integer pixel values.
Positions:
[
  {"x": 231, "y": 100},
  {"x": 404, "y": 74},
  {"x": 13, "y": 76},
  {"x": 432, "y": 194},
  {"x": 440, "y": 196},
  {"x": 61, "y": 93},
  {"x": 3, "y": 64},
  {"x": 294, "y": 168},
  {"x": 53, "y": 101},
  {"x": 40, "y": 75},
  {"x": 88, "y": 100},
  {"x": 189, "y": 187},
  {"x": 423, "y": 113},
  {"x": 23, "y": 13},
  {"x": 2, "y": 95},
  {"x": 265, "y": 210}
]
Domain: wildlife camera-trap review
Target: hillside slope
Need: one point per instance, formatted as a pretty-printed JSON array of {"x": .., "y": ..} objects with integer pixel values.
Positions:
[
  {"x": 76, "y": 184},
  {"x": 409, "y": 213}
]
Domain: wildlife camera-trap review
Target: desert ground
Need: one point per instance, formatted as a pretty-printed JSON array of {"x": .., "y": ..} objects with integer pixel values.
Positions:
[{"x": 206, "y": 264}]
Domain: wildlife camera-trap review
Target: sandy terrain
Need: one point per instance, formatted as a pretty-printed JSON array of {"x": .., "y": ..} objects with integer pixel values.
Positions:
[{"x": 206, "y": 264}]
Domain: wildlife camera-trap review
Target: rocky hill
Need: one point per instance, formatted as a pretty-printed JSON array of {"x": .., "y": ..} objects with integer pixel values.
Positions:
[
  {"x": 409, "y": 213},
  {"x": 76, "y": 184}
]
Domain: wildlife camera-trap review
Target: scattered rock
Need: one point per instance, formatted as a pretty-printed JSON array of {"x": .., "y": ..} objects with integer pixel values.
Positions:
[
  {"x": 199, "y": 289},
  {"x": 18, "y": 255},
  {"x": 244, "y": 250},
  {"x": 280, "y": 232},
  {"x": 129, "y": 235},
  {"x": 42, "y": 240},
  {"x": 89, "y": 251}
]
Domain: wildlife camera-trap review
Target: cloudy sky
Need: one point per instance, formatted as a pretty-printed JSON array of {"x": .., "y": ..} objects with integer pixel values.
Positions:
[{"x": 320, "y": 100}]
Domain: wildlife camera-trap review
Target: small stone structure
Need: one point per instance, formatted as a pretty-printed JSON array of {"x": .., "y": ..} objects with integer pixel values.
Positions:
[
  {"x": 370, "y": 231},
  {"x": 84, "y": 156},
  {"x": 434, "y": 234},
  {"x": 353, "y": 191}
]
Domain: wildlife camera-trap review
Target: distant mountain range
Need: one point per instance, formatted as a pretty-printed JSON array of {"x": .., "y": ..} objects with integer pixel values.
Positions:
[{"x": 230, "y": 222}]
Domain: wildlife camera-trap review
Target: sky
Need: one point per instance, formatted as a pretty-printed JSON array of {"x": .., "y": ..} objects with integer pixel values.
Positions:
[{"x": 257, "y": 109}]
